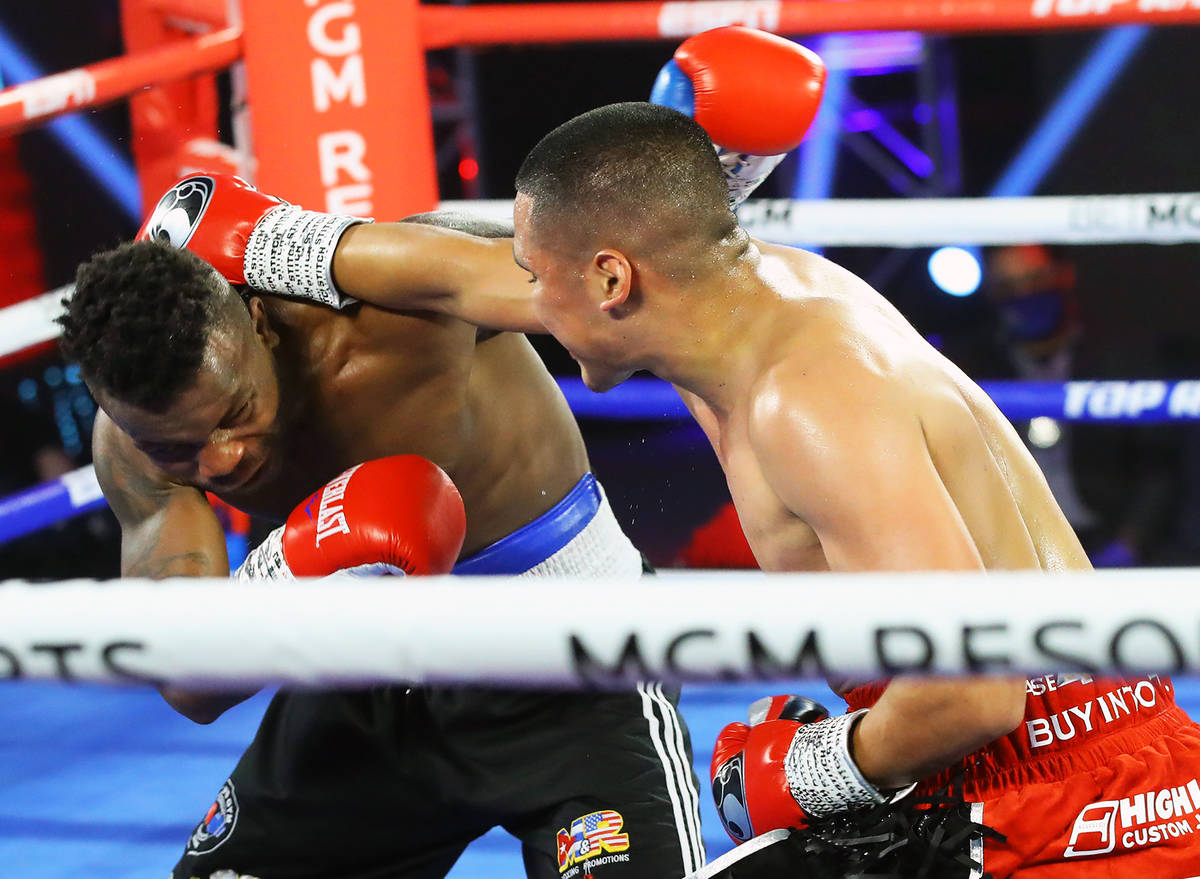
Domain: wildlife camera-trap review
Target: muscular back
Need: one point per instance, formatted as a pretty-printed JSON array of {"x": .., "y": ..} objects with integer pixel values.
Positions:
[{"x": 872, "y": 409}]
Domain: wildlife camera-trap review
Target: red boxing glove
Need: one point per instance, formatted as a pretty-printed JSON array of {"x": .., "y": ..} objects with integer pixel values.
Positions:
[
  {"x": 749, "y": 783},
  {"x": 251, "y": 238},
  {"x": 397, "y": 515},
  {"x": 755, "y": 92}
]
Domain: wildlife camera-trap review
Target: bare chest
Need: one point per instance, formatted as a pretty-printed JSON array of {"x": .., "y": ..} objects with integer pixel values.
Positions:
[
  {"x": 372, "y": 407},
  {"x": 781, "y": 540}
]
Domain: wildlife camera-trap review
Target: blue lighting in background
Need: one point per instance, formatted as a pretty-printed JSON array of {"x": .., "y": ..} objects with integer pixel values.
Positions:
[
  {"x": 1070, "y": 110},
  {"x": 111, "y": 170},
  {"x": 28, "y": 390},
  {"x": 818, "y": 153},
  {"x": 1058, "y": 127},
  {"x": 956, "y": 270}
]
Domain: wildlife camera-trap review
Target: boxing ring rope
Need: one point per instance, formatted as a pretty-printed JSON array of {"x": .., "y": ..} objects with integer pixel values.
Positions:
[
  {"x": 344, "y": 630},
  {"x": 1152, "y": 218},
  {"x": 37, "y": 101},
  {"x": 526, "y": 24},
  {"x": 1147, "y": 218}
]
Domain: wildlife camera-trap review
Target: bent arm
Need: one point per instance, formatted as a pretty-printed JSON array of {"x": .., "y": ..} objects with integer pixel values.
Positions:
[
  {"x": 167, "y": 530},
  {"x": 855, "y": 466},
  {"x": 920, "y": 726},
  {"x": 419, "y": 266}
]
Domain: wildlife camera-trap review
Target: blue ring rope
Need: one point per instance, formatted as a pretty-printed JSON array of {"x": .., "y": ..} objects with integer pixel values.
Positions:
[{"x": 1146, "y": 401}]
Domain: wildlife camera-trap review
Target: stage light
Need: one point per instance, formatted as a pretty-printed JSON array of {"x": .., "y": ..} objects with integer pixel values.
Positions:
[{"x": 956, "y": 270}]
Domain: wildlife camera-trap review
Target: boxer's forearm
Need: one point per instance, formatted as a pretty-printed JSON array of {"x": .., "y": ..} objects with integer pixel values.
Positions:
[
  {"x": 921, "y": 726},
  {"x": 417, "y": 267}
]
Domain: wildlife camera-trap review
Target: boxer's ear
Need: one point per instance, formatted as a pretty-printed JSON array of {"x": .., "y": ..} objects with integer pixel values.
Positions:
[
  {"x": 261, "y": 321},
  {"x": 614, "y": 273}
]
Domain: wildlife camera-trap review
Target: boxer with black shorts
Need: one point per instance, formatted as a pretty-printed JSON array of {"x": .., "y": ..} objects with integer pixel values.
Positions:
[{"x": 262, "y": 400}]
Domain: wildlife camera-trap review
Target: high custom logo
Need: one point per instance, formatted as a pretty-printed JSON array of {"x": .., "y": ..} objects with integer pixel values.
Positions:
[
  {"x": 179, "y": 212},
  {"x": 1142, "y": 820}
]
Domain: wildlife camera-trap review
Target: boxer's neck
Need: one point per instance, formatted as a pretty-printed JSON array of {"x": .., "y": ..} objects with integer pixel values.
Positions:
[{"x": 711, "y": 336}]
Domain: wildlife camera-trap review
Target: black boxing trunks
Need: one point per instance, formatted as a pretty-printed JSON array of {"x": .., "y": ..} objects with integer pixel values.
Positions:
[{"x": 395, "y": 782}]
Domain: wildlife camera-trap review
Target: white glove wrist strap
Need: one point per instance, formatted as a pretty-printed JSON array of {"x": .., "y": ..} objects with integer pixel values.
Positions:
[
  {"x": 290, "y": 250},
  {"x": 821, "y": 773},
  {"x": 266, "y": 561},
  {"x": 743, "y": 172}
]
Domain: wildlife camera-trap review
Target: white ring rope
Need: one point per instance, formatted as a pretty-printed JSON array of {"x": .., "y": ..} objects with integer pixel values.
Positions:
[
  {"x": 573, "y": 632},
  {"x": 1164, "y": 218},
  {"x": 1154, "y": 218},
  {"x": 31, "y": 322}
]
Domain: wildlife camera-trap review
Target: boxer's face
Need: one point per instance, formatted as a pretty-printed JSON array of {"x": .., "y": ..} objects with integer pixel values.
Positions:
[
  {"x": 222, "y": 433},
  {"x": 567, "y": 301}
]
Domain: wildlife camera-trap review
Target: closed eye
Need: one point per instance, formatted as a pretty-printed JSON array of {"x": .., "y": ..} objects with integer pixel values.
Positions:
[
  {"x": 241, "y": 416},
  {"x": 171, "y": 453}
]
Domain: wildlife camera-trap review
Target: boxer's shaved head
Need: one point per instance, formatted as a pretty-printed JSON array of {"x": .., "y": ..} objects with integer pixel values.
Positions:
[
  {"x": 140, "y": 319},
  {"x": 634, "y": 166}
]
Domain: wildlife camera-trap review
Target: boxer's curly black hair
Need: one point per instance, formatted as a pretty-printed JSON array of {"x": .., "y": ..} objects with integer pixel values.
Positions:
[
  {"x": 627, "y": 160},
  {"x": 138, "y": 321}
]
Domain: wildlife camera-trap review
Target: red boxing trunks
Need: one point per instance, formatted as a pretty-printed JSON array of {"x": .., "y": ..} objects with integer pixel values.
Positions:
[{"x": 1101, "y": 779}]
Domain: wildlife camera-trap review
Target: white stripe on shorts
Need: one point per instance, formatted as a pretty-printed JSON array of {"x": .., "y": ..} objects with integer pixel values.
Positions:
[
  {"x": 977, "y": 842},
  {"x": 664, "y": 735},
  {"x": 691, "y": 797}
]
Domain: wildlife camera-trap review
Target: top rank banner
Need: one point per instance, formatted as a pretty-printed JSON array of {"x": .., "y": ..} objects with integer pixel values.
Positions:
[{"x": 339, "y": 106}]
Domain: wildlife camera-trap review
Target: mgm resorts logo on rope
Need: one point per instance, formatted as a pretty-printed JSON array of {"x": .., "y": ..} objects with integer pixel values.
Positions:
[{"x": 1136, "y": 645}]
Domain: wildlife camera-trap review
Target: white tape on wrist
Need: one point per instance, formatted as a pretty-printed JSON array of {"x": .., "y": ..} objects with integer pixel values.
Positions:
[
  {"x": 266, "y": 561},
  {"x": 743, "y": 172},
  {"x": 822, "y": 775},
  {"x": 290, "y": 251}
]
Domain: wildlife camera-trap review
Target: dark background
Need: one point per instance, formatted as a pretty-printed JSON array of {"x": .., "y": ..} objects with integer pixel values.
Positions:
[{"x": 1143, "y": 137}]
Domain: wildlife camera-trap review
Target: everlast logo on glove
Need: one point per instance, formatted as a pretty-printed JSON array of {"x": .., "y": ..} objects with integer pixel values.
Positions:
[
  {"x": 331, "y": 516},
  {"x": 179, "y": 211},
  {"x": 729, "y": 792}
]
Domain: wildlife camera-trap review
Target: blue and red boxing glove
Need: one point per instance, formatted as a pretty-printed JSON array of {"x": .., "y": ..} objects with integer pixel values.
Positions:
[
  {"x": 791, "y": 762},
  {"x": 755, "y": 93},
  {"x": 749, "y": 783}
]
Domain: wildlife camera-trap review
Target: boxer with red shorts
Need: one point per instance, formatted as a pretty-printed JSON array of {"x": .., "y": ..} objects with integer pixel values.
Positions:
[
  {"x": 1102, "y": 778},
  {"x": 849, "y": 444}
]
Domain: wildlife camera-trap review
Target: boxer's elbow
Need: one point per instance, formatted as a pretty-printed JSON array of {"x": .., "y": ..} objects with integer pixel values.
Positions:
[
  {"x": 200, "y": 706},
  {"x": 999, "y": 708}
]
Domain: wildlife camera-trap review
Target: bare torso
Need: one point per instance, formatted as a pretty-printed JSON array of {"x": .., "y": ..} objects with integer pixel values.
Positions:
[
  {"x": 366, "y": 383},
  {"x": 827, "y": 315}
]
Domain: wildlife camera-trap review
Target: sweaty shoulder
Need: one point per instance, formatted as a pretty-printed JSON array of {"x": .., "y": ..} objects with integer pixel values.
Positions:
[{"x": 820, "y": 383}]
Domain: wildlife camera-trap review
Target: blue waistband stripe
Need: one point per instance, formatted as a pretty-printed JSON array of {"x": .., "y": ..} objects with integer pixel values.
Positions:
[{"x": 532, "y": 544}]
